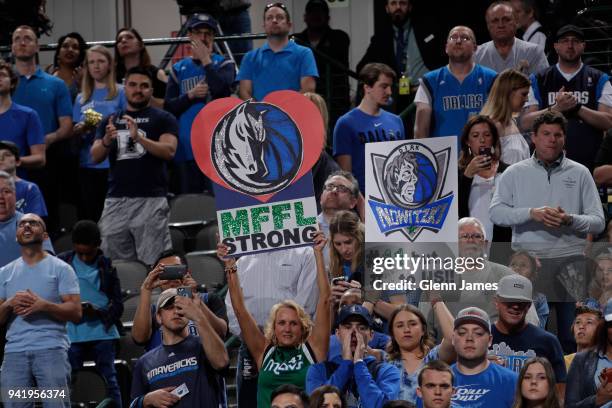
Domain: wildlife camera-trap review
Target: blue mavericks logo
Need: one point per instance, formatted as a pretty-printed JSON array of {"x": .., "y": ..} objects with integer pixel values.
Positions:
[
  {"x": 257, "y": 148},
  {"x": 411, "y": 180}
]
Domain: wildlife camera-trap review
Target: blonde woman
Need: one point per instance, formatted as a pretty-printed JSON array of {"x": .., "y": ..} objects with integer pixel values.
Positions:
[
  {"x": 99, "y": 93},
  {"x": 290, "y": 339},
  {"x": 506, "y": 100}
]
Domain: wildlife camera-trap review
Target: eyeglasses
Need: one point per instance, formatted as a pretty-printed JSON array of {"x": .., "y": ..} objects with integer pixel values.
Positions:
[
  {"x": 337, "y": 187},
  {"x": 476, "y": 236},
  {"x": 277, "y": 4},
  {"x": 459, "y": 38}
]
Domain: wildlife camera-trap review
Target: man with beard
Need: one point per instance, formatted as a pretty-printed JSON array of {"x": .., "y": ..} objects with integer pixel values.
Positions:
[
  {"x": 9, "y": 217},
  {"x": 139, "y": 142},
  {"x": 364, "y": 381},
  {"x": 515, "y": 340},
  {"x": 505, "y": 51},
  {"x": 410, "y": 46},
  {"x": 478, "y": 381},
  {"x": 280, "y": 63},
  {"x": 184, "y": 370},
  {"x": 38, "y": 295},
  {"x": 449, "y": 95},
  {"x": 193, "y": 82},
  {"x": 49, "y": 97},
  {"x": 582, "y": 94},
  {"x": 367, "y": 122}
]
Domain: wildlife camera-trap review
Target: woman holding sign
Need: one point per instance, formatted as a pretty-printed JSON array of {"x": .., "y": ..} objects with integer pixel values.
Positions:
[{"x": 291, "y": 341}]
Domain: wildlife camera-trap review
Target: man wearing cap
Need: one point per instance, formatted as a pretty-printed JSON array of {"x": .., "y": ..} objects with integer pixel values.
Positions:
[
  {"x": 588, "y": 380},
  {"x": 280, "y": 63},
  {"x": 478, "y": 381},
  {"x": 514, "y": 340},
  {"x": 20, "y": 124},
  {"x": 28, "y": 196},
  {"x": 582, "y": 93},
  {"x": 9, "y": 217},
  {"x": 363, "y": 380},
  {"x": 194, "y": 81},
  {"x": 184, "y": 368}
]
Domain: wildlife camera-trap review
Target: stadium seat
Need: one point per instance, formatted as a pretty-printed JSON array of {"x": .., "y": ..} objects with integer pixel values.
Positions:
[
  {"x": 206, "y": 269},
  {"x": 131, "y": 274},
  {"x": 207, "y": 238},
  {"x": 192, "y": 210},
  {"x": 178, "y": 241},
  {"x": 129, "y": 309},
  {"x": 88, "y": 386},
  {"x": 128, "y": 350},
  {"x": 62, "y": 243}
]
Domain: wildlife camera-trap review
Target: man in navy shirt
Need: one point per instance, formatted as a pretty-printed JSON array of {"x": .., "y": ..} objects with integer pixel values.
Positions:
[
  {"x": 478, "y": 381},
  {"x": 138, "y": 142},
  {"x": 183, "y": 371},
  {"x": 514, "y": 340}
]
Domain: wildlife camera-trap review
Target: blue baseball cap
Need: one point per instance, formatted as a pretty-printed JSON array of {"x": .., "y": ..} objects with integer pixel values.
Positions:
[
  {"x": 202, "y": 20},
  {"x": 351, "y": 311}
]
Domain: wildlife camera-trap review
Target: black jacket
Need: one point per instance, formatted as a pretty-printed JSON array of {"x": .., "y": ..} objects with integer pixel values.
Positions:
[
  {"x": 580, "y": 390},
  {"x": 109, "y": 285},
  {"x": 500, "y": 234}
]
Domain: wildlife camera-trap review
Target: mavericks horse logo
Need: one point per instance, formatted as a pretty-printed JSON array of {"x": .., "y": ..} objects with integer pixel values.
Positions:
[
  {"x": 257, "y": 148},
  {"x": 411, "y": 183}
]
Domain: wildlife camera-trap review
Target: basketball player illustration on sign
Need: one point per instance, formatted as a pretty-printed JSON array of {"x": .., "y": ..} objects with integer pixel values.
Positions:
[
  {"x": 257, "y": 148},
  {"x": 409, "y": 194}
]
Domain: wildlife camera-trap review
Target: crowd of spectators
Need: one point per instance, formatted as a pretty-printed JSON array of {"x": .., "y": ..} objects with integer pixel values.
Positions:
[{"x": 112, "y": 133}]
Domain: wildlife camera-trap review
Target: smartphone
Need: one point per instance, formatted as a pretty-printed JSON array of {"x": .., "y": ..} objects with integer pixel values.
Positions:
[
  {"x": 335, "y": 280},
  {"x": 485, "y": 151},
  {"x": 184, "y": 291},
  {"x": 173, "y": 272}
]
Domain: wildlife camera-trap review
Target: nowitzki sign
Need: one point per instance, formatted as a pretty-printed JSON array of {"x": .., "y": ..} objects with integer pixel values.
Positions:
[{"x": 259, "y": 156}]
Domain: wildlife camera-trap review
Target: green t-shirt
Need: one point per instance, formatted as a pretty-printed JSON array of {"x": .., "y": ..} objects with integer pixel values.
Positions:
[{"x": 282, "y": 365}]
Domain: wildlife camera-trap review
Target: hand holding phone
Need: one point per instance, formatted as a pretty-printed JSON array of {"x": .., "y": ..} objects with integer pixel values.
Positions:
[
  {"x": 184, "y": 291},
  {"x": 485, "y": 151}
]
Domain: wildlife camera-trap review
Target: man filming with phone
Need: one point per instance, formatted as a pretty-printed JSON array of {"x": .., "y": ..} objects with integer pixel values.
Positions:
[
  {"x": 184, "y": 370},
  {"x": 171, "y": 273}
]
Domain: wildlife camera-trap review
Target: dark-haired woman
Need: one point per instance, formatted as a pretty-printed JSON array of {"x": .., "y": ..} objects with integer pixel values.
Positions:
[
  {"x": 130, "y": 51},
  {"x": 68, "y": 62}
]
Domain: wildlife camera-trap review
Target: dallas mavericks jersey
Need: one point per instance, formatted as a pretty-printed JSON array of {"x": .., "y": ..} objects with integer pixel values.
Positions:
[
  {"x": 453, "y": 102},
  {"x": 582, "y": 140},
  {"x": 188, "y": 75}
]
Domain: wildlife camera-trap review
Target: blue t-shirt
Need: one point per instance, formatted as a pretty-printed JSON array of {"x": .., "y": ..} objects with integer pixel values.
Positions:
[
  {"x": 105, "y": 107},
  {"x": 29, "y": 199},
  {"x": 171, "y": 366},
  {"x": 10, "y": 249},
  {"x": 453, "y": 102},
  {"x": 21, "y": 125},
  {"x": 134, "y": 172},
  {"x": 89, "y": 283},
  {"x": 50, "y": 279},
  {"x": 274, "y": 71},
  {"x": 530, "y": 342},
  {"x": 47, "y": 95},
  {"x": 356, "y": 128},
  {"x": 494, "y": 387}
]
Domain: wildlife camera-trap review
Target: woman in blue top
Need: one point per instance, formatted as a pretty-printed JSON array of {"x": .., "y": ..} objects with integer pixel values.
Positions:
[
  {"x": 100, "y": 93},
  {"x": 411, "y": 345},
  {"x": 346, "y": 253}
]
